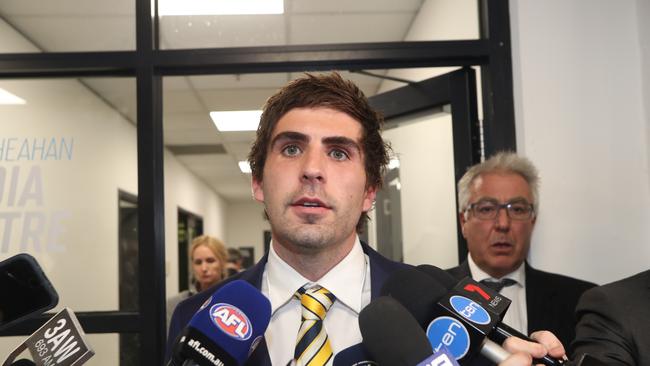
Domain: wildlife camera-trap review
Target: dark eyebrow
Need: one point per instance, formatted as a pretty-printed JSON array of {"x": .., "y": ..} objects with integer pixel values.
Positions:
[
  {"x": 301, "y": 137},
  {"x": 289, "y": 136},
  {"x": 342, "y": 141}
]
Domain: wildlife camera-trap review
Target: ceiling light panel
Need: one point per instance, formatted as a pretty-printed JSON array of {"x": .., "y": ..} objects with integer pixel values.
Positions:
[
  {"x": 219, "y": 7},
  {"x": 6, "y": 98},
  {"x": 236, "y": 120}
]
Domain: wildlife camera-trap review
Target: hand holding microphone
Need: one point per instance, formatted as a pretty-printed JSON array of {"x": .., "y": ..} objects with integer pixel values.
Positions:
[{"x": 456, "y": 318}]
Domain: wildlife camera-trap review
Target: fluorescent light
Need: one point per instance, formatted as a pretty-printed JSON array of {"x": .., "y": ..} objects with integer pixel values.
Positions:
[
  {"x": 245, "y": 167},
  {"x": 219, "y": 7},
  {"x": 236, "y": 120},
  {"x": 8, "y": 98}
]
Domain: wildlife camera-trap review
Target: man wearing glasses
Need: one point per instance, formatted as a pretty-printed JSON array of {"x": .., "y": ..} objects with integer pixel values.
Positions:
[{"x": 497, "y": 201}]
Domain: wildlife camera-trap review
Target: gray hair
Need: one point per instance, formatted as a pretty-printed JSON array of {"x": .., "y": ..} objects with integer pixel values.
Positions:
[{"x": 502, "y": 162}]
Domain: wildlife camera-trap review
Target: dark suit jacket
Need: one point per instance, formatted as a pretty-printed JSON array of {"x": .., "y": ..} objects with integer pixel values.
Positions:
[
  {"x": 380, "y": 269},
  {"x": 550, "y": 300},
  {"x": 614, "y": 322}
]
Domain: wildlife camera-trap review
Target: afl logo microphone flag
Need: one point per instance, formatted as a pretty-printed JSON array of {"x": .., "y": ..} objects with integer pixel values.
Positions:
[{"x": 227, "y": 327}]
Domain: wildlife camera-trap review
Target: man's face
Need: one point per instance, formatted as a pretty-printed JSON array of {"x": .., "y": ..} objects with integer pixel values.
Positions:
[
  {"x": 314, "y": 182},
  {"x": 500, "y": 245}
]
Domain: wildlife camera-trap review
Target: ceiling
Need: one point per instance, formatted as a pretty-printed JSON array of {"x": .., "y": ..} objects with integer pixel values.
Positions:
[{"x": 94, "y": 25}]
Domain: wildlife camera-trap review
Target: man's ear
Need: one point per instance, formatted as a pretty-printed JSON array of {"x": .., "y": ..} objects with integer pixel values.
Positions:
[
  {"x": 371, "y": 194},
  {"x": 258, "y": 192},
  {"x": 463, "y": 220}
]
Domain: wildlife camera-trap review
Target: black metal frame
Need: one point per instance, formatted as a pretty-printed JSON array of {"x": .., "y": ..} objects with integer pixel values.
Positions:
[{"x": 148, "y": 65}]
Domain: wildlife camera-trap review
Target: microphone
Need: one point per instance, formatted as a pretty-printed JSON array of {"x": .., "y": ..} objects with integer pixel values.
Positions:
[
  {"x": 456, "y": 318},
  {"x": 483, "y": 295},
  {"x": 31, "y": 291},
  {"x": 23, "y": 362},
  {"x": 60, "y": 341},
  {"x": 393, "y": 337},
  {"x": 226, "y": 329}
]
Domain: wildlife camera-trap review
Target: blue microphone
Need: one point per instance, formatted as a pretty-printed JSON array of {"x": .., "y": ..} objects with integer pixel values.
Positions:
[{"x": 226, "y": 328}]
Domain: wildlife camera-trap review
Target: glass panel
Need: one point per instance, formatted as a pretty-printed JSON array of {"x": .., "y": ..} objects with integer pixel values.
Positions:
[
  {"x": 320, "y": 22},
  {"x": 424, "y": 189},
  {"x": 67, "y": 153},
  {"x": 66, "y": 25}
]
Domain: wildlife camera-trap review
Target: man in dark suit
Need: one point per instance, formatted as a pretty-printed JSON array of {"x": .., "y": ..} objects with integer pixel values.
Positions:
[
  {"x": 614, "y": 322},
  {"x": 497, "y": 200},
  {"x": 316, "y": 164}
]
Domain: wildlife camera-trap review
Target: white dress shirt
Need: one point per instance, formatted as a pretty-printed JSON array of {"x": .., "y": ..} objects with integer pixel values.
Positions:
[
  {"x": 349, "y": 281},
  {"x": 516, "y": 316}
]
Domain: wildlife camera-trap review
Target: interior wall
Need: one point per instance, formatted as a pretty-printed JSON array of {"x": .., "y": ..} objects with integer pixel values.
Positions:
[
  {"x": 643, "y": 14},
  {"x": 424, "y": 147},
  {"x": 581, "y": 117},
  {"x": 246, "y": 225}
]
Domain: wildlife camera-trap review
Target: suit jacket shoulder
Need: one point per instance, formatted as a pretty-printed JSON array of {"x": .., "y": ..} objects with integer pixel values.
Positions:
[
  {"x": 461, "y": 271},
  {"x": 614, "y": 322},
  {"x": 551, "y": 300}
]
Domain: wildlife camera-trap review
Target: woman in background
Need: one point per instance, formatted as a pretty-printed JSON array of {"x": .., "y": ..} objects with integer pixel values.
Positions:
[{"x": 208, "y": 257}]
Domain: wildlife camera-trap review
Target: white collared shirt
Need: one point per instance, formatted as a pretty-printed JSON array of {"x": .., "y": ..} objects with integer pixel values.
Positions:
[
  {"x": 516, "y": 316},
  {"x": 349, "y": 281}
]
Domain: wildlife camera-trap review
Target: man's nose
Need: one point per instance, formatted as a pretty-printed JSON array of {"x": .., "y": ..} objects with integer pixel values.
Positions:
[
  {"x": 313, "y": 167},
  {"x": 502, "y": 219}
]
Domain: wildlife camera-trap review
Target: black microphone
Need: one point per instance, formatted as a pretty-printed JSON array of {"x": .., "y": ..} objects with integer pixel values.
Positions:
[
  {"x": 31, "y": 291},
  {"x": 393, "y": 337},
  {"x": 226, "y": 329},
  {"x": 454, "y": 318},
  {"x": 23, "y": 362},
  {"x": 488, "y": 298},
  {"x": 483, "y": 295}
]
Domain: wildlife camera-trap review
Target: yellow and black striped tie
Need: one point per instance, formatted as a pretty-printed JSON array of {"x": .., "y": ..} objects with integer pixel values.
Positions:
[{"x": 313, "y": 347}]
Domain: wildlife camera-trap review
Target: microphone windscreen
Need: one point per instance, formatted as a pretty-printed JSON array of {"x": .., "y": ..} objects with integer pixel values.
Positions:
[
  {"x": 23, "y": 362},
  {"x": 391, "y": 335},
  {"x": 234, "y": 319},
  {"x": 416, "y": 291},
  {"x": 439, "y": 274}
]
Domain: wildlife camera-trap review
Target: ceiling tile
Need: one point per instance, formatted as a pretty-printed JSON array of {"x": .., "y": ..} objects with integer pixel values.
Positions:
[
  {"x": 222, "y": 31},
  {"x": 348, "y": 28},
  {"x": 78, "y": 33}
]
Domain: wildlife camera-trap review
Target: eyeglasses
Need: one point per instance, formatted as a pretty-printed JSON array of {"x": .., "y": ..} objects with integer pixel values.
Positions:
[{"x": 489, "y": 209}]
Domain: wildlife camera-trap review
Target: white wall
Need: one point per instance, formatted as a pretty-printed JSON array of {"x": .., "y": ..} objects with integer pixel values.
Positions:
[
  {"x": 184, "y": 190},
  {"x": 246, "y": 225},
  {"x": 425, "y": 150},
  {"x": 643, "y": 14},
  {"x": 582, "y": 118}
]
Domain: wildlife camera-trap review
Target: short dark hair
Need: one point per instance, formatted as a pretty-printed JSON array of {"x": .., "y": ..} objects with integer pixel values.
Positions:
[{"x": 329, "y": 91}]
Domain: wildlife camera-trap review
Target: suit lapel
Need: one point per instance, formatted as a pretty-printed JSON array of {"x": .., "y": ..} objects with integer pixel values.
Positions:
[{"x": 259, "y": 357}]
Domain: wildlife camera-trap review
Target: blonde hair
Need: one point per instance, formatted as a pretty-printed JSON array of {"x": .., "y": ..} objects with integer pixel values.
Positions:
[{"x": 216, "y": 246}]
